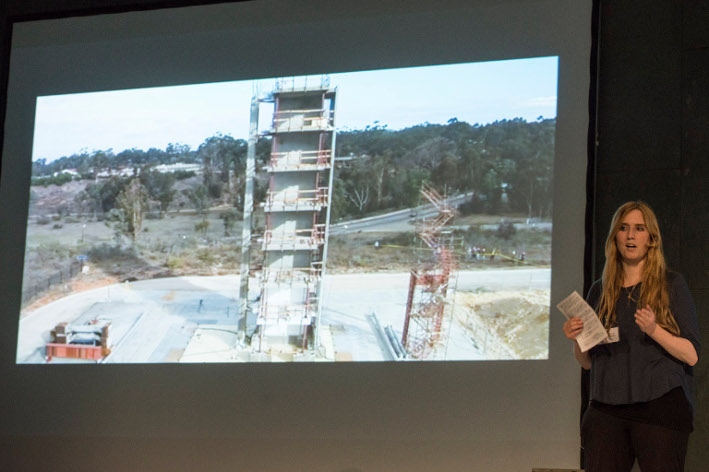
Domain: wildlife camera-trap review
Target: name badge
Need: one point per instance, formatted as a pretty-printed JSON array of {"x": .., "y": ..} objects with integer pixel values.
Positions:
[{"x": 613, "y": 335}]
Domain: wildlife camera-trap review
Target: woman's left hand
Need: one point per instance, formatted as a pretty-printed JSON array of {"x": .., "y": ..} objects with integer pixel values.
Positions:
[{"x": 645, "y": 319}]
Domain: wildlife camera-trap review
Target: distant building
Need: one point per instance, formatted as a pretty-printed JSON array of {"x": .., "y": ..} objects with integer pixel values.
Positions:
[
  {"x": 71, "y": 172},
  {"x": 128, "y": 171},
  {"x": 178, "y": 166}
]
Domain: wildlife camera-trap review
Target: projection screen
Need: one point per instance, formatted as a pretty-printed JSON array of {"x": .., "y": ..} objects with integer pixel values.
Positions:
[{"x": 398, "y": 184}]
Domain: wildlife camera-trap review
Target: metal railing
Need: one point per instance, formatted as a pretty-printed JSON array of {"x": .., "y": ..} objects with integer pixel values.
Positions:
[
  {"x": 295, "y": 199},
  {"x": 307, "y": 275},
  {"x": 301, "y": 120},
  {"x": 292, "y": 84},
  {"x": 311, "y": 237},
  {"x": 296, "y": 160},
  {"x": 35, "y": 289}
]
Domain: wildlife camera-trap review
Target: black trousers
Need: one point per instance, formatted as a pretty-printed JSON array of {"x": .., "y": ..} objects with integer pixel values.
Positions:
[{"x": 611, "y": 444}]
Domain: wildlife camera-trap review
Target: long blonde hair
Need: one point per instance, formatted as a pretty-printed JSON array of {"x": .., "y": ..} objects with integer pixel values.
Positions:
[{"x": 653, "y": 290}]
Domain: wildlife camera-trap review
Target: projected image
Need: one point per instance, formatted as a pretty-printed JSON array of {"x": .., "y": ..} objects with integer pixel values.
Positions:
[{"x": 386, "y": 215}]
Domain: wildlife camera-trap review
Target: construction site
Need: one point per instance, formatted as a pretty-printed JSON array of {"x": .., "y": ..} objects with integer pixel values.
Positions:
[{"x": 283, "y": 306}]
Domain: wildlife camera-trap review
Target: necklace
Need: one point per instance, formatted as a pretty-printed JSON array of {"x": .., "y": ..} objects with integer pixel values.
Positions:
[{"x": 630, "y": 291}]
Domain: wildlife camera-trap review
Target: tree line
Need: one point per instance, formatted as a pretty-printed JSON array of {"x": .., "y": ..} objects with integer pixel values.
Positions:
[
  {"x": 506, "y": 165},
  {"x": 122, "y": 201},
  {"x": 87, "y": 165}
]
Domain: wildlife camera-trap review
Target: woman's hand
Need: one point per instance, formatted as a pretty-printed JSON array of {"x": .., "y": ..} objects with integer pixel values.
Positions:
[
  {"x": 678, "y": 347},
  {"x": 645, "y": 319},
  {"x": 573, "y": 327}
]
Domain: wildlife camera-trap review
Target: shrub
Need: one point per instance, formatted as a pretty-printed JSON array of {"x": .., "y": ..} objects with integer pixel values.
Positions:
[
  {"x": 206, "y": 256},
  {"x": 201, "y": 227},
  {"x": 472, "y": 206},
  {"x": 506, "y": 229},
  {"x": 59, "y": 179},
  {"x": 175, "y": 262},
  {"x": 401, "y": 239},
  {"x": 184, "y": 174},
  {"x": 108, "y": 251}
]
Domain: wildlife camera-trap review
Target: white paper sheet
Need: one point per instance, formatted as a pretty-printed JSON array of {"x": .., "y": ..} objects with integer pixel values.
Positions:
[{"x": 593, "y": 331}]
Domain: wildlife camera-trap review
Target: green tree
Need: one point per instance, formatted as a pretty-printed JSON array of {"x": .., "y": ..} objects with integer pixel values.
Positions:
[
  {"x": 176, "y": 152},
  {"x": 508, "y": 154},
  {"x": 101, "y": 160},
  {"x": 223, "y": 163},
  {"x": 492, "y": 188},
  {"x": 159, "y": 186},
  {"x": 445, "y": 174},
  {"x": 117, "y": 220},
  {"x": 470, "y": 166},
  {"x": 428, "y": 154},
  {"x": 38, "y": 167},
  {"x": 101, "y": 195},
  {"x": 199, "y": 198},
  {"x": 340, "y": 204},
  {"x": 131, "y": 205},
  {"x": 531, "y": 184},
  {"x": 229, "y": 218},
  {"x": 410, "y": 195}
]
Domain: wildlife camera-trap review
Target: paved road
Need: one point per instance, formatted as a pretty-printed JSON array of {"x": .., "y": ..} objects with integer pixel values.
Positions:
[
  {"x": 404, "y": 220},
  {"x": 400, "y": 220}
]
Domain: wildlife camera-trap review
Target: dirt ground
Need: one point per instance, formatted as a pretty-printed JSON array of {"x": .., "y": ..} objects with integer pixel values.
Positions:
[
  {"x": 79, "y": 283},
  {"x": 507, "y": 324}
]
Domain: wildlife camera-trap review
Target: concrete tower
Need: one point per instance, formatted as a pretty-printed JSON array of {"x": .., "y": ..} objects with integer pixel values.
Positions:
[{"x": 297, "y": 213}]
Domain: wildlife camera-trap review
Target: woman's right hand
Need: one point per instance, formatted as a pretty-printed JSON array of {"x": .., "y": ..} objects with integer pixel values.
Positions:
[{"x": 573, "y": 327}]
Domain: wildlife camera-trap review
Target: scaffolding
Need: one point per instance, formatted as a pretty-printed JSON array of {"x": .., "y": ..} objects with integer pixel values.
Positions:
[
  {"x": 297, "y": 212},
  {"x": 429, "y": 283}
]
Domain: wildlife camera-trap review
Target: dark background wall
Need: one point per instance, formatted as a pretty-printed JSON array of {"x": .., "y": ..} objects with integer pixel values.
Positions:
[{"x": 652, "y": 143}]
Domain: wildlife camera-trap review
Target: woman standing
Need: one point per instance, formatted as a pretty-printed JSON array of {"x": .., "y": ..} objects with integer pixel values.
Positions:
[{"x": 642, "y": 403}]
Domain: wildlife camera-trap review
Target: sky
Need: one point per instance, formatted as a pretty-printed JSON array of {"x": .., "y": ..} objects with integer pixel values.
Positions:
[{"x": 481, "y": 92}]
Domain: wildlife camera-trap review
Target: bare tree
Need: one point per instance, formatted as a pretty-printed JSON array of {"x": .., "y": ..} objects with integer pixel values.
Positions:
[{"x": 359, "y": 197}]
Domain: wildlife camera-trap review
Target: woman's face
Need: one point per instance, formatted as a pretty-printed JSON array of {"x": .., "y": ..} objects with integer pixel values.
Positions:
[{"x": 633, "y": 238}]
